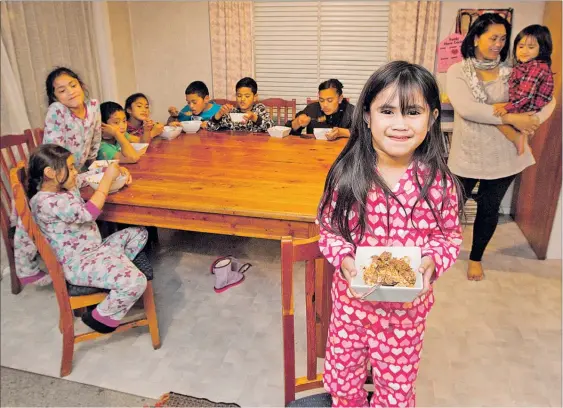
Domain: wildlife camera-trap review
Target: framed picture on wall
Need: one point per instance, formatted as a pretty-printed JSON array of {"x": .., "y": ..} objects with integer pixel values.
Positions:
[{"x": 466, "y": 17}]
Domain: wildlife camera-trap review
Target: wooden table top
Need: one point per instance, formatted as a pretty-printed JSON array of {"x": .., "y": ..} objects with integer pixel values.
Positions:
[{"x": 232, "y": 173}]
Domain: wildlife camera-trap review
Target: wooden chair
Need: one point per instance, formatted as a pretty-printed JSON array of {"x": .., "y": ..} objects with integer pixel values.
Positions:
[
  {"x": 281, "y": 110},
  {"x": 313, "y": 100},
  {"x": 10, "y": 146},
  {"x": 70, "y": 297},
  {"x": 318, "y": 308},
  {"x": 224, "y": 102}
]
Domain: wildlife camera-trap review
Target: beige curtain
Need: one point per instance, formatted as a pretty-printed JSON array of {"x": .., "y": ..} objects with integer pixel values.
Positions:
[
  {"x": 37, "y": 37},
  {"x": 413, "y": 32},
  {"x": 231, "y": 45}
]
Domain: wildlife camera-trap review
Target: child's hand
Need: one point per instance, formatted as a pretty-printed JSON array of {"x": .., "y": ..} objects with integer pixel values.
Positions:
[
  {"x": 124, "y": 172},
  {"x": 110, "y": 130},
  {"x": 112, "y": 171},
  {"x": 250, "y": 116},
  {"x": 304, "y": 120},
  {"x": 223, "y": 111},
  {"x": 348, "y": 269},
  {"x": 204, "y": 124},
  {"x": 427, "y": 269},
  {"x": 333, "y": 134},
  {"x": 158, "y": 128},
  {"x": 173, "y": 111},
  {"x": 148, "y": 125},
  {"x": 498, "y": 109}
]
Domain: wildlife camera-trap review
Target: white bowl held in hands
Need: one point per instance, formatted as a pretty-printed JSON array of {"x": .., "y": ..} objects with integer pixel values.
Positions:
[
  {"x": 97, "y": 164},
  {"x": 279, "y": 131},
  {"x": 237, "y": 117},
  {"x": 171, "y": 132},
  {"x": 320, "y": 133},
  {"x": 387, "y": 293},
  {"x": 118, "y": 183},
  {"x": 191, "y": 126}
]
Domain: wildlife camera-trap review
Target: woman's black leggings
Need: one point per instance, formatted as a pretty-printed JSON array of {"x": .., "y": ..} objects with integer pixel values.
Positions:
[{"x": 489, "y": 198}]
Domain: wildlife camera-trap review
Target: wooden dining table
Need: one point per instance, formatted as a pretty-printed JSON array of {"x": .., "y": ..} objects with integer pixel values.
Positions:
[{"x": 232, "y": 183}]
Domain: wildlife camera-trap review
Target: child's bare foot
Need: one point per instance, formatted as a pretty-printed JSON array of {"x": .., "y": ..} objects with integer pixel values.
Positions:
[
  {"x": 475, "y": 271},
  {"x": 521, "y": 144}
]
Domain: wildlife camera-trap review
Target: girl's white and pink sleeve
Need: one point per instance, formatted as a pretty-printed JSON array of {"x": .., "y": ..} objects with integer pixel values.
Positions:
[{"x": 444, "y": 245}]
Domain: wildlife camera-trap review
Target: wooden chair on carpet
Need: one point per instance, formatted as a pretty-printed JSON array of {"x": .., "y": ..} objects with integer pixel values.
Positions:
[
  {"x": 10, "y": 146},
  {"x": 280, "y": 110},
  {"x": 71, "y": 297},
  {"x": 317, "y": 303}
]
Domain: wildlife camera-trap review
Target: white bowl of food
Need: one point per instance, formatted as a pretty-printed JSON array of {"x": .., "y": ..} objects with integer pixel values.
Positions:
[
  {"x": 395, "y": 269},
  {"x": 191, "y": 126},
  {"x": 237, "y": 117},
  {"x": 118, "y": 183},
  {"x": 140, "y": 147},
  {"x": 279, "y": 131},
  {"x": 320, "y": 133},
  {"x": 171, "y": 132},
  {"x": 98, "y": 164}
]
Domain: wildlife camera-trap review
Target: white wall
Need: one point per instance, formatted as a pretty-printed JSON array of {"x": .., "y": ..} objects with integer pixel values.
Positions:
[
  {"x": 525, "y": 13},
  {"x": 171, "y": 48},
  {"x": 554, "y": 247}
]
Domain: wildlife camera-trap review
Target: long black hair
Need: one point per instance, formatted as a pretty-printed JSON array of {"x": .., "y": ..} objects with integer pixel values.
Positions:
[
  {"x": 353, "y": 175},
  {"x": 542, "y": 36},
  {"x": 47, "y": 155},
  {"x": 54, "y": 74},
  {"x": 480, "y": 27}
]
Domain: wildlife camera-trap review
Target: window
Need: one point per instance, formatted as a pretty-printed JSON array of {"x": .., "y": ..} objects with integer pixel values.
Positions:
[{"x": 297, "y": 45}]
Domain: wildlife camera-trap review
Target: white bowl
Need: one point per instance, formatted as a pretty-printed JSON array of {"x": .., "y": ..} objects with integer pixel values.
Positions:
[
  {"x": 118, "y": 183},
  {"x": 171, "y": 132},
  {"x": 388, "y": 293},
  {"x": 140, "y": 147},
  {"x": 279, "y": 131},
  {"x": 237, "y": 117},
  {"x": 320, "y": 133},
  {"x": 101, "y": 163},
  {"x": 191, "y": 126}
]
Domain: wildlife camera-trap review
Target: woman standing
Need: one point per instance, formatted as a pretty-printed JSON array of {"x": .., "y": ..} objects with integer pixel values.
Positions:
[{"x": 479, "y": 151}]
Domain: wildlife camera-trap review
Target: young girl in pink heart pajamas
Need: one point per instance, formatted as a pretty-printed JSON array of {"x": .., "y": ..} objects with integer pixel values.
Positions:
[{"x": 390, "y": 186}]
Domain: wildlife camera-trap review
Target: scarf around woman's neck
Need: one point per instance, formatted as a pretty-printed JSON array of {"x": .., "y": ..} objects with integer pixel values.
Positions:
[{"x": 469, "y": 65}]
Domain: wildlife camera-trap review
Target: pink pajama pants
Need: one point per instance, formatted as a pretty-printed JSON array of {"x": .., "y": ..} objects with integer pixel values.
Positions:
[{"x": 388, "y": 336}]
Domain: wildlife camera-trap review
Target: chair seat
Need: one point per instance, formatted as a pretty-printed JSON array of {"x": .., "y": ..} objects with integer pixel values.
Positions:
[
  {"x": 317, "y": 400},
  {"x": 141, "y": 262}
]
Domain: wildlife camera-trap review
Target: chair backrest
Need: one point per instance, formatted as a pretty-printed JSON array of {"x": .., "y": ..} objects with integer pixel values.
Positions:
[
  {"x": 313, "y": 100},
  {"x": 18, "y": 177},
  {"x": 13, "y": 148},
  {"x": 281, "y": 110},
  {"x": 224, "y": 102},
  {"x": 317, "y": 301}
]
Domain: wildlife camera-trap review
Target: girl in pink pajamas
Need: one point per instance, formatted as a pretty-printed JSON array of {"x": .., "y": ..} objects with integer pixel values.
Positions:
[{"x": 390, "y": 186}]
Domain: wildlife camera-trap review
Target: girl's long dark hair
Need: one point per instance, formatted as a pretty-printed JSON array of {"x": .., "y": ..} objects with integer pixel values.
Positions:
[
  {"x": 47, "y": 155},
  {"x": 353, "y": 175}
]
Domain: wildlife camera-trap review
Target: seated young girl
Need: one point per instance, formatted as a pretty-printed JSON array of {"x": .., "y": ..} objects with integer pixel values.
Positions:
[
  {"x": 256, "y": 117},
  {"x": 72, "y": 120},
  {"x": 139, "y": 123},
  {"x": 116, "y": 142},
  {"x": 69, "y": 226},
  {"x": 331, "y": 111}
]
